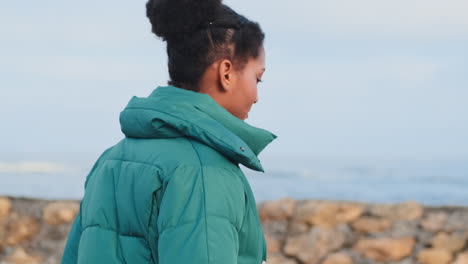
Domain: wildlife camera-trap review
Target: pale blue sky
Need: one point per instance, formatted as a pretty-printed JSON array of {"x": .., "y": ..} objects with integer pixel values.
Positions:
[{"x": 359, "y": 78}]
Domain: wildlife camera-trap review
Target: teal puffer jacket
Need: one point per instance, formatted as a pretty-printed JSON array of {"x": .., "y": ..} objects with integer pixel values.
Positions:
[{"x": 171, "y": 191}]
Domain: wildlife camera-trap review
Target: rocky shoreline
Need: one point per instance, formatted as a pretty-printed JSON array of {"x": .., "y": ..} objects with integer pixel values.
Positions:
[
  {"x": 34, "y": 231},
  {"x": 333, "y": 232}
]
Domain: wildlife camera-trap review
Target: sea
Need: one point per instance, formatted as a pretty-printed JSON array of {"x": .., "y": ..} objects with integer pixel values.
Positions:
[{"x": 432, "y": 182}]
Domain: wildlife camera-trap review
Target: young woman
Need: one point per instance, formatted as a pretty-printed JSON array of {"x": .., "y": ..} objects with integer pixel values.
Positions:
[{"x": 171, "y": 191}]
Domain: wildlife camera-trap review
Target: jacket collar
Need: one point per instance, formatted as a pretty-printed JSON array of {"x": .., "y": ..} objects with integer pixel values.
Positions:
[{"x": 170, "y": 112}]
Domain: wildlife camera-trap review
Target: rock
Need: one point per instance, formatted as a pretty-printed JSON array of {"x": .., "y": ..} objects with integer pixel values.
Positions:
[
  {"x": 279, "y": 259},
  {"x": 57, "y": 213},
  {"x": 5, "y": 207},
  {"x": 386, "y": 249},
  {"x": 434, "y": 221},
  {"x": 456, "y": 221},
  {"x": 404, "y": 228},
  {"x": 424, "y": 238},
  {"x": 462, "y": 258},
  {"x": 410, "y": 210},
  {"x": 277, "y": 210},
  {"x": 21, "y": 257},
  {"x": 405, "y": 261},
  {"x": 304, "y": 210},
  {"x": 273, "y": 244},
  {"x": 358, "y": 258},
  {"x": 338, "y": 258},
  {"x": 381, "y": 210},
  {"x": 312, "y": 247},
  {"x": 371, "y": 224},
  {"x": 435, "y": 256},
  {"x": 452, "y": 243},
  {"x": 297, "y": 228},
  {"x": 328, "y": 214},
  {"x": 278, "y": 228},
  {"x": 20, "y": 229}
]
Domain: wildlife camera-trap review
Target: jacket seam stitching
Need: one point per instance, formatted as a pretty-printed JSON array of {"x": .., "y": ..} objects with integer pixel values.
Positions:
[
  {"x": 134, "y": 161},
  {"x": 246, "y": 208},
  {"x": 204, "y": 200},
  {"x": 116, "y": 210},
  {"x": 194, "y": 220},
  {"x": 115, "y": 231}
]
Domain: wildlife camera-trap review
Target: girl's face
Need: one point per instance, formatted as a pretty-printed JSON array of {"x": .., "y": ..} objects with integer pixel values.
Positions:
[{"x": 244, "y": 94}]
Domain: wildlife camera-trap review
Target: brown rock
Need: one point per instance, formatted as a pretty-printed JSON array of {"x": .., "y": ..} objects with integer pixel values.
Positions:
[
  {"x": 452, "y": 243},
  {"x": 5, "y": 207},
  {"x": 304, "y": 209},
  {"x": 312, "y": 247},
  {"x": 273, "y": 244},
  {"x": 435, "y": 256},
  {"x": 371, "y": 224},
  {"x": 279, "y": 228},
  {"x": 456, "y": 221},
  {"x": 434, "y": 221},
  {"x": 381, "y": 210},
  {"x": 347, "y": 212},
  {"x": 328, "y": 214},
  {"x": 277, "y": 210},
  {"x": 57, "y": 213},
  {"x": 386, "y": 249},
  {"x": 21, "y": 257},
  {"x": 279, "y": 259},
  {"x": 338, "y": 258},
  {"x": 404, "y": 228},
  {"x": 462, "y": 258},
  {"x": 297, "y": 228},
  {"x": 409, "y": 210},
  {"x": 20, "y": 229}
]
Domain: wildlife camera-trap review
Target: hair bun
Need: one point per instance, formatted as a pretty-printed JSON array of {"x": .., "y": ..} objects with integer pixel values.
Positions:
[{"x": 172, "y": 19}]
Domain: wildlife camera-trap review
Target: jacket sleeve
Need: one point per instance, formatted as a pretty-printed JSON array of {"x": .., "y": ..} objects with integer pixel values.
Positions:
[
  {"x": 201, "y": 212},
  {"x": 70, "y": 252},
  {"x": 71, "y": 247}
]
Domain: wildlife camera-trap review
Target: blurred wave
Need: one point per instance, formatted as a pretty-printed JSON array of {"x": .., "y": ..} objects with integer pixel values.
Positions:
[
  {"x": 431, "y": 182},
  {"x": 31, "y": 167}
]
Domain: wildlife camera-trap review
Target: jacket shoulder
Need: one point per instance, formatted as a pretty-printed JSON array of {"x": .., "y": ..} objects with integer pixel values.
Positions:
[
  {"x": 165, "y": 153},
  {"x": 169, "y": 153}
]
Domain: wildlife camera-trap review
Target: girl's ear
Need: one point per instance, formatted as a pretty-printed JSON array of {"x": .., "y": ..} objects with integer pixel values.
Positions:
[{"x": 225, "y": 73}]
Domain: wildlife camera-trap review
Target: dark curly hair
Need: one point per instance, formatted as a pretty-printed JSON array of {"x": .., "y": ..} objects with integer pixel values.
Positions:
[{"x": 199, "y": 32}]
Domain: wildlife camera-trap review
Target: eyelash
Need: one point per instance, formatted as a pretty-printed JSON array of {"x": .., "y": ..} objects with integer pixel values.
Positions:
[{"x": 258, "y": 81}]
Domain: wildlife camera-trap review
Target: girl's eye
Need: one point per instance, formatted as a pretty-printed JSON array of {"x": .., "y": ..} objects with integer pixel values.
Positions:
[{"x": 258, "y": 80}]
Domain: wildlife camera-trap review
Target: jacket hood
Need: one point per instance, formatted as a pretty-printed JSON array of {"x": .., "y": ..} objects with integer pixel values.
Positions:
[{"x": 174, "y": 112}]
